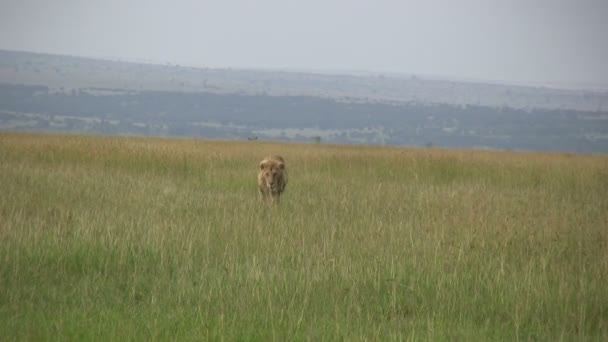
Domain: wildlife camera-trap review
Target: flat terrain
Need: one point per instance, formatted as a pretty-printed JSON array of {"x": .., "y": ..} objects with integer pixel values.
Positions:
[{"x": 120, "y": 238}]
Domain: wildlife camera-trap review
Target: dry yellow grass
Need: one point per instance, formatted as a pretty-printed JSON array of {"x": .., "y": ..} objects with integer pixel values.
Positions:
[{"x": 137, "y": 238}]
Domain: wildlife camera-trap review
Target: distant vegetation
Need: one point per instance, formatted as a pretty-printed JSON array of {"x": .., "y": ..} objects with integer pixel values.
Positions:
[
  {"x": 300, "y": 118},
  {"x": 114, "y": 238},
  {"x": 58, "y": 93}
]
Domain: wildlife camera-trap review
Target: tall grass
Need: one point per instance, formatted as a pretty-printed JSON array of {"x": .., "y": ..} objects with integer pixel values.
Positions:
[{"x": 141, "y": 238}]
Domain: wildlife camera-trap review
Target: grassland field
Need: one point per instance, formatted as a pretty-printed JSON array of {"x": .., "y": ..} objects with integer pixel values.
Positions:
[{"x": 132, "y": 238}]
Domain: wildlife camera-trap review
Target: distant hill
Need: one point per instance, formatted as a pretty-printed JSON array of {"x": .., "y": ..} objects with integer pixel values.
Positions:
[
  {"x": 40, "y": 92},
  {"x": 66, "y": 72}
]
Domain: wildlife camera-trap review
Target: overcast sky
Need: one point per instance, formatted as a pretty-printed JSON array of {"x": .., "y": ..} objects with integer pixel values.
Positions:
[{"x": 541, "y": 41}]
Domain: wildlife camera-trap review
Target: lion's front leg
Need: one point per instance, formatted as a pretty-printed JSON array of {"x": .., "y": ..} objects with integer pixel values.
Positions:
[
  {"x": 276, "y": 198},
  {"x": 263, "y": 195}
]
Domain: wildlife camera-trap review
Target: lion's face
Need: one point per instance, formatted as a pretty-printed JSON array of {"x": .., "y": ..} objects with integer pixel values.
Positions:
[
  {"x": 272, "y": 172},
  {"x": 272, "y": 178}
]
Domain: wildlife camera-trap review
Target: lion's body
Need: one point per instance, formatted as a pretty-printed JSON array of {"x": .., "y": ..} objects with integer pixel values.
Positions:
[{"x": 272, "y": 178}]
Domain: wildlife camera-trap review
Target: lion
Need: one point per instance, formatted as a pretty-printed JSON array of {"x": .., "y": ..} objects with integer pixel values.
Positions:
[{"x": 272, "y": 179}]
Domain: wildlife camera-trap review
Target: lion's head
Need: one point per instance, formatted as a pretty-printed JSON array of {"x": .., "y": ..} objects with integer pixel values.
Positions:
[{"x": 272, "y": 177}]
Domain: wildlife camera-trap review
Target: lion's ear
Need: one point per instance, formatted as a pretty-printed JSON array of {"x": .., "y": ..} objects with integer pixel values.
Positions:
[
  {"x": 281, "y": 166},
  {"x": 263, "y": 164}
]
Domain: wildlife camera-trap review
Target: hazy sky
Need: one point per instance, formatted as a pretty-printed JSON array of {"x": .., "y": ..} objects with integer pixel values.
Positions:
[{"x": 564, "y": 41}]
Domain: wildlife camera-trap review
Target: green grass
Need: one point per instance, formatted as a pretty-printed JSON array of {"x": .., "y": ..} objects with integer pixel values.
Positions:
[{"x": 138, "y": 238}]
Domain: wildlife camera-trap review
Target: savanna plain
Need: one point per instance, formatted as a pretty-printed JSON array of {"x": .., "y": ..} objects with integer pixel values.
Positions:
[{"x": 132, "y": 238}]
